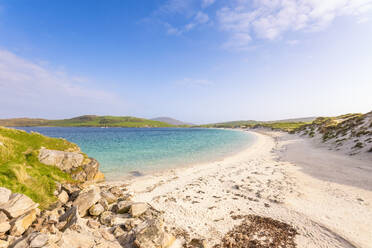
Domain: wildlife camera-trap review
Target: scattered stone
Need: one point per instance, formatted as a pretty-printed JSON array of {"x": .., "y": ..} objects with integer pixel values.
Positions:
[
  {"x": 197, "y": 243},
  {"x": 4, "y": 223},
  {"x": 17, "y": 205},
  {"x": 123, "y": 207},
  {"x": 4, "y": 195},
  {"x": 118, "y": 231},
  {"x": 109, "y": 197},
  {"x": 87, "y": 199},
  {"x": 96, "y": 210},
  {"x": 93, "y": 224},
  {"x": 68, "y": 219},
  {"x": 63, "y": 197},
  {"x": 152, "y": 235},
  {"x": 106, "y": 235},
  {"x": 4, "y": 244},
  {"x": 39, "y": 240},
  {"x": 137, "y": 209},
  {"x": 72, "y": 239},
  {"x": 106, "y": 218}
]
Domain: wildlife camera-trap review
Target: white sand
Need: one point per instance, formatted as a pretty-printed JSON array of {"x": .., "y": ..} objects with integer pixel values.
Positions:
[{"x": 326, "y": 196}]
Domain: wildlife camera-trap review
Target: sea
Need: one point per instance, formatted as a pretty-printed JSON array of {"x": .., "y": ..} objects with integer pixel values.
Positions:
[{"x": 124, "y": 152}]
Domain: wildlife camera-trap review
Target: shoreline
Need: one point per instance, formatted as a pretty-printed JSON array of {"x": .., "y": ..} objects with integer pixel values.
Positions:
[
  {"x": 164, "y": 170},
  {"x": 201, "y": 200}
]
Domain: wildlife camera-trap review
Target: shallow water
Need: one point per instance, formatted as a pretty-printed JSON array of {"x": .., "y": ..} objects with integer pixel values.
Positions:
[{"x": 134, "y": 151}]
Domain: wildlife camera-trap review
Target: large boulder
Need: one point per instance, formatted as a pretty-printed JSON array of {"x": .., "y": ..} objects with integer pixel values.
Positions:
[
  {"x": 4, "y": 195},
  {"x": 81, "y": 169},
  {"x": 66, "y": 161},
  {"x": 22, "y": 223},
  {"x": 87, "y": 199},
  {"x": 17, "y": 205}
]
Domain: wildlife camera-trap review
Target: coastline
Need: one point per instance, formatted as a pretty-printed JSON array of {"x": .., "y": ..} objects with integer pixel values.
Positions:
[{"x": 264, "y": 180}]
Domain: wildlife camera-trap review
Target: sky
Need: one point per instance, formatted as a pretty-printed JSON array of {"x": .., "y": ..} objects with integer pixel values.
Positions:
[{"x": 200, "y": 61}]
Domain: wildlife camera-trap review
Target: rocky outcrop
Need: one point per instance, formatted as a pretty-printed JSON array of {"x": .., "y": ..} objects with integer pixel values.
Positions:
[
  {"x": 92, "y": 216},
  {"x": 81, "y": 169}
]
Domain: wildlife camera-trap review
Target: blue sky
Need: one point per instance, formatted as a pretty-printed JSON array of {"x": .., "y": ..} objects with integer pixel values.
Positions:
[{"x": 196, "y": 60}]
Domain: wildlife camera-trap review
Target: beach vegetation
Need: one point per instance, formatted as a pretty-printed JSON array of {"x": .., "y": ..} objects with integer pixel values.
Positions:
[{"x": 20, "y": 169}]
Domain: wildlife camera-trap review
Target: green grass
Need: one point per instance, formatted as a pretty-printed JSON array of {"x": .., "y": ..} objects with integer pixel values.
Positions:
[
  {"x": 87, "y": 121},
  {"x": 20, "y": 169},
  {"x": 284, "y": 126}
]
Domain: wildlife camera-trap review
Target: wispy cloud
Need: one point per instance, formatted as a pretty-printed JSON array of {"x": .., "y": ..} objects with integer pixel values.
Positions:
[
  {"x": 24, "y": 83},
  {"x": 270, "y": 19},
  {"x": 207, "y": 3},
  {"x": 200, "y": 18}
]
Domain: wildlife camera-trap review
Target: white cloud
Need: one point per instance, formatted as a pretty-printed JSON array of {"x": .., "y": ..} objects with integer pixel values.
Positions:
[
  {"x": 25, "y": 85},
  {"x": 198, "y": 19},
  {"x": 270, "y": 19}
]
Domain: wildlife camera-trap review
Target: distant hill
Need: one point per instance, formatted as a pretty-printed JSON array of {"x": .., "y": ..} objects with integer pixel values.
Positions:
[
  {"x": 172, "y": 121},
  {"x": 86, "y": 121},
  {"x": 305, "y": 119},
  {"x": 285, "y": 125}
]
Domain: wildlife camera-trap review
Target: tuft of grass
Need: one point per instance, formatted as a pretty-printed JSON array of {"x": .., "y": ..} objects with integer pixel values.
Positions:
[{"x": 20, "y": 169}]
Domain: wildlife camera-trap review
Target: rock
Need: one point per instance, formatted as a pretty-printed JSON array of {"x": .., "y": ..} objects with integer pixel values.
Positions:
[
  {"x": 68, "y": 219},
  {"x": 4, "y": 227},
  {"x": 104, "y": 204},
  {"x": 63, "y": 197},
  {"x": 66, "y": 161},
  {"x": 198, "y": 243},
  {"x": 137, "y": 209},
  {"x": 109, "y": 197},
  {"x": 20, "y": 224},
  {"x": 91, "y": 169},
  {"x": 87, "y": 199},
  {"x": 118, "y": 231},
  {"x": 4, "y": 195},
  {"x": 4, "y": 223},
  {"x": 17, "y": 205},
  {"x": 4, "y": 244},
  {"x": 152, "y": 235},
  {"x": 96, "y": 210},
  {"x": 93, "y": 224},
  {"x": 99, "y": 177},
  {"x": 106, "y": 235},
  {"x": 106, "y": 218},
  {"x": 39, "y": 240},
  {"x": 123, "y": 206},
  {"x": 72, "y": 239},
  {"x": 116, "y": 191},
  {"x": 20, "y": 243}
]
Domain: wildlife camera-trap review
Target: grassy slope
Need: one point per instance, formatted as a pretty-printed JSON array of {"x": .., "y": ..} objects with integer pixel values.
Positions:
[
  {"x": 280, "y": 125},
  {"x": 20, "y": 169},
  {"x": 87, "y": 121}
]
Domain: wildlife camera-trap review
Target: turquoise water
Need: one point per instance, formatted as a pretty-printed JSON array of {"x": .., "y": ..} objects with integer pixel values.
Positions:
[{"x": 125, "y": 151}]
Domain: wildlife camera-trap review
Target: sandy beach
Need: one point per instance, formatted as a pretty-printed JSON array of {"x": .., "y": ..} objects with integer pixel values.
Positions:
[{"x": 325, "y": 195}]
